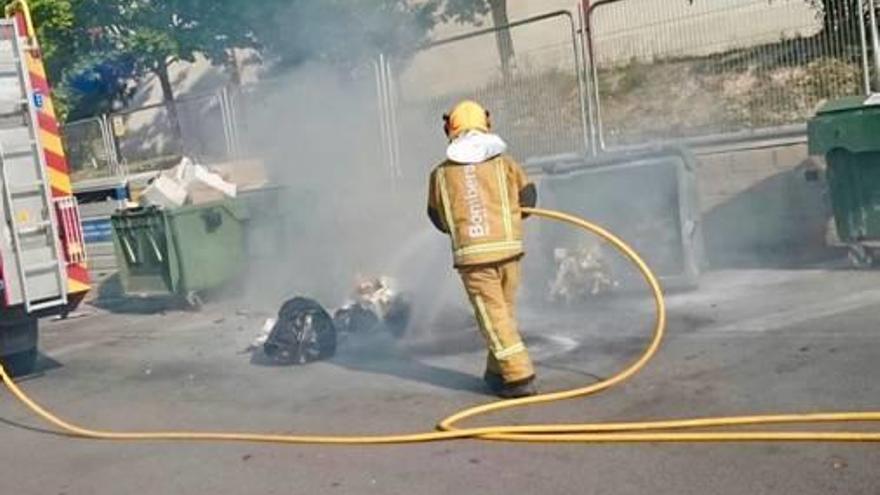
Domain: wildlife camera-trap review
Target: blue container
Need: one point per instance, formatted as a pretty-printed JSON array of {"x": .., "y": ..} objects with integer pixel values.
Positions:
[{"x": 97, "y": 230}]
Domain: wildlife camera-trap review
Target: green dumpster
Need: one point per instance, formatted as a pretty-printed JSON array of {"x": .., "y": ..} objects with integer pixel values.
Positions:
[
  {"x": 181, "y": 251},
  {"x": 847, "y": 133}
]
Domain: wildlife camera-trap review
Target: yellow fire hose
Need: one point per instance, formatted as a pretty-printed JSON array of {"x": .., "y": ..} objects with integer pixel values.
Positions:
[{"x": 649, "y": 431}]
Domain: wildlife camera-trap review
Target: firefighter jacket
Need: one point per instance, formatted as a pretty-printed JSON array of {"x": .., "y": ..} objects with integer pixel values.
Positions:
[{"x": 480, "y": 206}]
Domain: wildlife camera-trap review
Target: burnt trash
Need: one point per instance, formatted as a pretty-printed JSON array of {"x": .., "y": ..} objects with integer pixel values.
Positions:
[
  {"x": 397, "y": 316},
  {"x": 355, "y": 318},
  {"x": 582, "y": 273},
  {"x": 304, "y": 332},
  {"x": 375, "y": 306}
]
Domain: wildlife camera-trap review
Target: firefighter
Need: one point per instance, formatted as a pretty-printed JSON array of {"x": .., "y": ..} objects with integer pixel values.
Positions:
[{"x": 476, "y": 197}]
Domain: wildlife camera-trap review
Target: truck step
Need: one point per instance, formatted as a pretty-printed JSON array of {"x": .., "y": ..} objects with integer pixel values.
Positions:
[
  {"x": 41, "y": 267},
  {"x": 26, "y": 189},
  {"x": 52, "y": 303},
  {"x": 18, "y": 153},
  {"x": 37, "y": 228}
]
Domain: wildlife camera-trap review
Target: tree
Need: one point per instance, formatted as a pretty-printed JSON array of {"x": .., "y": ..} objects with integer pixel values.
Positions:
[
  {"x": 55, "y": 30},
  {"x": 472, "y": 12},
  {"x": 503, "y": 37},
  {"x": 93, "y": 49},
  {"x": 150, "y": 35},
  {"x": 346, "y": 31},
  {"x": 94, "y": 83},
  {"x": 56, "y": 27}
]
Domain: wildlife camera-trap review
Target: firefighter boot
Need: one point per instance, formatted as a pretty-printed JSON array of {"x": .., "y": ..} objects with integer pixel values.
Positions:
[{"x": 523, "y": 388}]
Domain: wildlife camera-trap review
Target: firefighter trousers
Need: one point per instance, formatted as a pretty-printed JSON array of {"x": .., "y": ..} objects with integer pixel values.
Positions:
[{"x": 492, "y": 291}]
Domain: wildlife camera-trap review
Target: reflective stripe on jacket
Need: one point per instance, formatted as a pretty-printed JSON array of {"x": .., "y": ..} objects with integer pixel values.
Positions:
[{"x": 479, "y": 206}]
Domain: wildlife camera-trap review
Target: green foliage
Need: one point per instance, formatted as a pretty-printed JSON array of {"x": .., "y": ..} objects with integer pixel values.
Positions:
[
  {"x": 346, "y": 32},
  {"x": 152, "y": 34},
  {"x": 462, "y": 11},
  {"x": 141, "y": 37},
  {"x": 55, "y": 22}
]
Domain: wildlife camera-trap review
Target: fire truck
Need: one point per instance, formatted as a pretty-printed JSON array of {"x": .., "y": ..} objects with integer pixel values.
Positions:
[{"x": 42, "y": 256}]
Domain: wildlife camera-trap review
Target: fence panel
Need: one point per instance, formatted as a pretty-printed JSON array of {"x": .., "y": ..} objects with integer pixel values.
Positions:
[
  {"x": 202, "y": 127},
  {"x": 536, "y": 100},
  {"x": 872, "y": 38},
  {"x": 147, "y": 138},
  {"x": 156, "y": 136},
  {"x": 667, "y": 70},
  {"x": 89, "y": 154},
  {"x": 257, "y": 107}
]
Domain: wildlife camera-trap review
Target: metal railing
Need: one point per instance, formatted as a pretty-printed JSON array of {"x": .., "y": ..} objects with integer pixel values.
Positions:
[
  {"x": 537, "y": 98},
  {"x": 671, "y": 70},
  {"x": 249, "y": 111},
  {"x": 637, "y": 72},
  {"x": 152, "y": 137},
  {"x": 90, "y": 149},
  {"x": 203, "y": 127}
]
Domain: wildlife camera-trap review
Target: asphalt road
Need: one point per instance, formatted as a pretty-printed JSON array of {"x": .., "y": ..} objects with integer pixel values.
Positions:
[{"x": 755, "y": 341}]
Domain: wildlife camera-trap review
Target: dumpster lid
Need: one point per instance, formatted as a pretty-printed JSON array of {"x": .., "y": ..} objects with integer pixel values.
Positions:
[{"x": 849, "y": 103}]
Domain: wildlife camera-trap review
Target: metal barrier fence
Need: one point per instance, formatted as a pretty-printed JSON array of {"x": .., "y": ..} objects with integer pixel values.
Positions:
[
  {"x": 670, "y": 70},
  {"x": 147, "y": 138},
  {"x": 871, "y": 43},
  {"x": 249, "y": 110},
  {"x": 152, "y": 137},
  {"x": 536, "y": 99},
  {"x": 90, "y": 151},
  {"x": 202, "y": 127},
  {"x": 638, "y": 71}
]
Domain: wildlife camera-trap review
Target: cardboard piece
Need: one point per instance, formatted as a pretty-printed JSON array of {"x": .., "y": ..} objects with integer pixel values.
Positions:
[
  {"x": 199, "y": 178},
  {"x": 200, "y": 193},
  {"x": 187, "y": 183},
  {"x": 245, "y": 174},
  {"x": 165, "y": 192}
]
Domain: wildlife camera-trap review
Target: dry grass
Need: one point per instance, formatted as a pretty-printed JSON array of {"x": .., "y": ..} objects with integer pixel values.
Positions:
[{"x": 668, "y": 99}]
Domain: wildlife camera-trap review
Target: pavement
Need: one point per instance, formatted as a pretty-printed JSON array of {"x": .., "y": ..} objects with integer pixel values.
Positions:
[{"x": 748, "y": 341}]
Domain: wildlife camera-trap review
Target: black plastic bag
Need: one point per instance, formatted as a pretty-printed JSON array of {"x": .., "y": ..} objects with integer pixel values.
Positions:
[
  {"x": 303, "y": 333},
  {"x": 356, "y": 319}
]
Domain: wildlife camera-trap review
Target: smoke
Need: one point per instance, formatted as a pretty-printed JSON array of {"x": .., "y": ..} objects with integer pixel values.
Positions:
[
  {"x": 341, "y": 32},
  {"x": 317, "y": 128},
  {"x": 344, "y": 213}
]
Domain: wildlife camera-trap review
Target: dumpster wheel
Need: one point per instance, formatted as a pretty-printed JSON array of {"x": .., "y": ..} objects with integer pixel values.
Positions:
[
  {"x": 863, "y": 257},
  {"x": 194, "y": 300},
  {"x": 602, "y": 432}
]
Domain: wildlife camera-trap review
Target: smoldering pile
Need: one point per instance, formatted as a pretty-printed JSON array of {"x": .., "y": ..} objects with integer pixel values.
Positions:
[
  {"x": 375, "y": 305},
  {"x": 581, "y": 273},
  {"x": 305, "y": 332}
]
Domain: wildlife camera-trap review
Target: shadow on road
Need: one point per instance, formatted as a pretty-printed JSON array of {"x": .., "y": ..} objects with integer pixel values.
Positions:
[
  {"x": 380, "y": 354},
  {"x": 33, "y": 429}
]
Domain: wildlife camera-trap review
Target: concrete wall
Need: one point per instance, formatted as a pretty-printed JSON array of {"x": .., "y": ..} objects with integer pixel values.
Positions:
[{"x": 759, "y": 208}]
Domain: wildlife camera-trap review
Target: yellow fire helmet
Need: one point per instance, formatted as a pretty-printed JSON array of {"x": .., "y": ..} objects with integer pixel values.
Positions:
[{"x": 467, "y": 115}]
